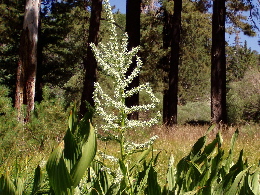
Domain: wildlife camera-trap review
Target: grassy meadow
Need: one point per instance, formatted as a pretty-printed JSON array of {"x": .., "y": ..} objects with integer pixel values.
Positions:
[{"x": 25, "y": 146}]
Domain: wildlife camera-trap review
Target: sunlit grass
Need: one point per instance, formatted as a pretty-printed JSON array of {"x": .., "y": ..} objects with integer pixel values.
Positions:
[{"x": 178, "y": 142}]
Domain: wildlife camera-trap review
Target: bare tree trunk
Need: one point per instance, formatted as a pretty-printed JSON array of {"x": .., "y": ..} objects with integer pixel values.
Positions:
[
  {"x": 89, "y": 61},
  {"x": 218, "y": 64},
  {"x": 133, "y": 11},
  {"x": 174, "y": 65},
  {"x": 27, "y": 63}
]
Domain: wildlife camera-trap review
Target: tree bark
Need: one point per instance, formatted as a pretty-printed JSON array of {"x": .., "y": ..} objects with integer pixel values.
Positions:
[
  {"x": 27, "y": 63},
  {"x": 218, "y": 64},
  {"x": 90, "y": 63},
  {"x": 133, "y": 11},
  {"x": 174, "y": 64}
]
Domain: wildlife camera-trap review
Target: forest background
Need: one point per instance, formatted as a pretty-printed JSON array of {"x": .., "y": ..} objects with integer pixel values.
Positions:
[{"x": 63, "y": 35}]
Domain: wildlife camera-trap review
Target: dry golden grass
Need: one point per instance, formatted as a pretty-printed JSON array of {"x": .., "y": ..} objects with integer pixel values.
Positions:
[{"x": 178, "y": 142}]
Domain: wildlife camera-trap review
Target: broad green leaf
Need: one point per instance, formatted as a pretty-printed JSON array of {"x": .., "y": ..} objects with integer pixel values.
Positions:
[
  {"x": 254, "y": 182},
  {"x": 196, "y": 149},
  {"x": 230, "y": 155},
  {"x": 122, "y": 167},
  {"x": 171, "y": 174},
  {"x": 72, "y": 150},
  {"x": 38, "y": 179},
  {"x": 59, "y": 177},
  {"x": 210, "y": 148},
  {"x": 143, "y": 180},
  {"x": 84, "y": 126},
  {"x": 237, "y": 182},
  {"x": 6, "y": 186},
  {"x": 101, "y": 182},
  {"x": 144, "y": 154},
  {"x": 196, "y": 167},
  {"x": 210, "y": 129},
  {"x": 88, "y": 153},
  {"x": 153, "y": 188},
  {"x": 73, "y": 120},
  {"x": 19, "y": 186}
]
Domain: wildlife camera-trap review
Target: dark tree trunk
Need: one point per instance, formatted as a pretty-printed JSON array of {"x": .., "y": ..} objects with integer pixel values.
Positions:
[
  {"x": 218, "y": 64},
  {"x": 39, "y": 73},
  {"x": 90, "y": 63},
  {"x": 133, "y": 11},
  {"x": 167, "y": 39},
  {"x": 174, "y": 65},
  {"x": 27, "y": 63}
]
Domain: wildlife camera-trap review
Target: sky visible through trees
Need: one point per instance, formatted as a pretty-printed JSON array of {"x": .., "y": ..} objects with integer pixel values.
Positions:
[{"x": 251, "y": 41}]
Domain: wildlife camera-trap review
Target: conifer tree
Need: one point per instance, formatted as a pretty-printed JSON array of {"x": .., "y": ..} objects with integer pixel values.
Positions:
[
  {"x": 27, "y": 64},
  {"x": 89, "y": 61},
  {"x": 218, "y": 64},
  {"x": 133, "y": 11},
  {"x": 174, "y": 30}
]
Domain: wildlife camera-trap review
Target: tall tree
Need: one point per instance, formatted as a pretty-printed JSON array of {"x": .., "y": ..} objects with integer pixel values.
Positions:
[
  {"x": 218, "y": 64},
  {"x": 89, "y": 61},
  {"x": 174, "y": 30},
  {"x": 27, "y": 64},
  {"x": 133, "y": 11}
]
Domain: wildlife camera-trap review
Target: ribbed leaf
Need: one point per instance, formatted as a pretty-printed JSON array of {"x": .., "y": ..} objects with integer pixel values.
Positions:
[
  {"x": 144, "y": 155},
  {"x": 153, "y": 188},
  {"x": 171, "y": 174},
  {"x": 38, "y": 178},
  {"x": 230, "y": 155},
  {"x": 59, "y": 177},
  {"x": 88, "y": 153},
  {"x": 143, "y": 179},
  {"x": 197, "y": 147},
  {"x": 6, "y": 186},
  {"x": 84, "y": 126},
  {"x": 19, "y": 186},
  {"x": 73, "y": 119},
  {"x": 235, "y": 187},
  {"x": 209, "y": 149},
  {"x": 72, "y": 150},
  {"x": 253, "y": 182}
]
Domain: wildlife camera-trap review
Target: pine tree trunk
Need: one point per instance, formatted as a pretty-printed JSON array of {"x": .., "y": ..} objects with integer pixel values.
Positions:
[
  {"x": 218, "y": 64},
  {"x": 133, "y": 11},
  {"x": 174, "y": 64},
  {"x": 89, "y": 61},
  {"x": 27, "y": 63}
]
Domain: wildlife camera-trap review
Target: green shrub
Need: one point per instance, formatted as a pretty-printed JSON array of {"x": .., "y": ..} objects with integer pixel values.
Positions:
[
  {"x": 9, "y": 126},
  {"x": 243, "y": 99},
  {"x": 194, "y": 112},
  {"x": 46, "y": 124},
  {"x": 45, "y": 128}
]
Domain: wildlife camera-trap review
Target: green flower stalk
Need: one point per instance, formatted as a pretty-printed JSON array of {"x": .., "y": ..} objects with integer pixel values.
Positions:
[{"x": 115, "y": 59}]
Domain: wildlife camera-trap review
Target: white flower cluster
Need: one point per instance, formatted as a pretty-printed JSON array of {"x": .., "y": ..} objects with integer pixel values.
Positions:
[
  {"x": 131, "y": 147},
  {"x": 115, "y": 59},
  {"x": 108, "y": 157}
]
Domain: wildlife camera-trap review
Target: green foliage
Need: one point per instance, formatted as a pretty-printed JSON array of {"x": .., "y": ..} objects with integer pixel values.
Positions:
[
  {"x": 197, "y": 112},
  {"x": 7, "y": 122},
  {"x": 194, "y": 69},
  {"x": 63, "y": 30},
  {"x": 66, "y": 164},
  {"x": 243, "y": 99},
  {"x": 45, "y": 128},
  {"x": 208, "y": 170},
  {"x": 11, "y": 20},
  {"x": 239, "y": 60},
  {"x": 69, "y": 161}
]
